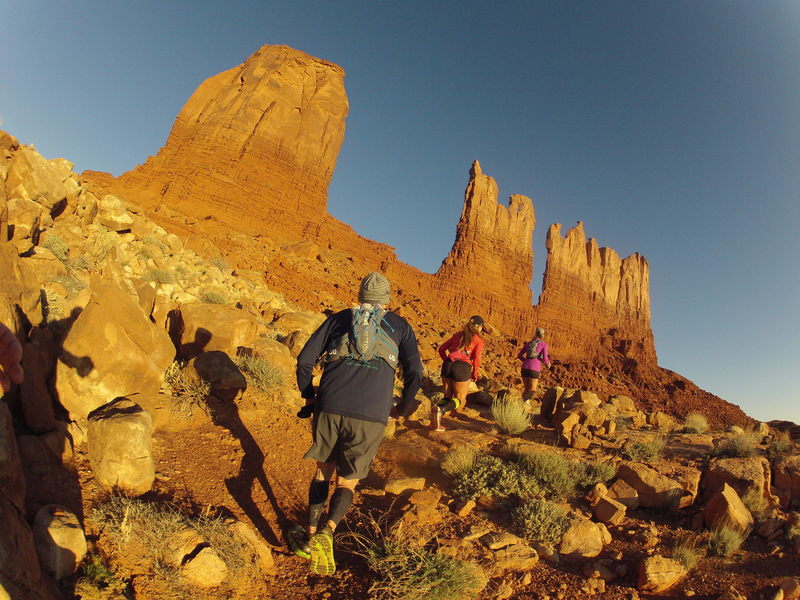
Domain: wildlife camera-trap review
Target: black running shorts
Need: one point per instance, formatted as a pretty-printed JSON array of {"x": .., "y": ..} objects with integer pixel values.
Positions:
[
  {"x": 351, "y": 443},
  {"x": 457, "y": 370},
  {"x": 530, "y": 373}
]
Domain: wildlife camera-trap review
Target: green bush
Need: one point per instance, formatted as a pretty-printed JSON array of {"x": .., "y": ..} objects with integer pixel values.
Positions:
[
  {"x": 459, "y": 459},
  {"x": 556, "y": 475},
  {"x": 57, "y": 246},
  {"x": 688, "y": 551},
  {"x": 780, "y": 445},
  {"x": 541, "y": 521},
  {"x": 407, "y": 572},
  {"x": 756, "y": 504},
  {"x": 695, "y": 423},
  {"x": 725, "y": 540},
  {"x": 187, "y": 388},
  {"x": 496, "y": 477},
  {"x": 96, "y": 580},
  {"x": 159, "y": 276},
  {"x": 647, "y": 451},
  {"x": 590, "y": 474},
  {"x": 740, "y": 445},
  {"x": 259, "y": 372},
  {"x": 511, "y": 416}
]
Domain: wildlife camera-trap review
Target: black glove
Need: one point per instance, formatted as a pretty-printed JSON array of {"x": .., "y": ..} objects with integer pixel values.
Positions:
[{"x": 306, "y": 411}]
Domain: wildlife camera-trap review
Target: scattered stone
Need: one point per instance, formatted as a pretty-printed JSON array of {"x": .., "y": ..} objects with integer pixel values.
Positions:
[
  {"x": 497, "y": 541},
  {"x": 120, "y": 447},
  {"x": 624, "y": 493},
  {"x": 60, "y": 541},
  {"x": 547, "y": 552},
  {"x": 610, "y": 511},
  {"x": 262, "y": 551},
  {"x": 657, "y": 574},
  {"x": 518, "y": 557},
  {"x": 428, "y": 497},
  {"x": 582, "y": 539},
  {"x": 731, "y": 594},
  {"x": 596, "y": 493},
  {"x": 475, "y": 531},
  {"x": 654, "y": 489},
  {"x": 206, "y": 570},
  {"x": 464, "y": 507},
  {"x": 725, "y": 507},
  {"x": 398, "y": 486}
]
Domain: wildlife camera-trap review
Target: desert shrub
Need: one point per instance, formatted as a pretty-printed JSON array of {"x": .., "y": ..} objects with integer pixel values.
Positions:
[
  {"x": 793, "y": 531},
  {"x": 623, "y": 422},
  {"x": 80, "y": 263},
  {"x": 57, "y": 246},
  {"x": 688, "y": 550},
  {"x": 213, "y": 297},
  {"x": 541, "y": 521},
  {"x": 695, "y": 423},
  {"x": 404, "y": 570},
  {"x": 159, "y": 276},
  {"x": 156, "y": 526},
  {"x": 590, "y": 474},
  {"x": 187, "y": 388},
  {"x": 458, "y": 459},
  {"x": 725, "y": 540},
  {"x": 780, "y": 445},
  {"x": 181, "y": 272},
  {"x": 97, "y": 581},
  {"x": 555, "y": 474},
  {"x": 496, "y": 477},
  {"x": 259, "y": 372},
  {"x": 72, "y": 284},
  {"x": 101, "y": 243},
  {"x": 151, "y": 240},
  {"x": 511, "y": 416},
  {"x": 646, "y": 451},
  {"x": 740, "y": 445},
  {"x": 756, "y": 504}
]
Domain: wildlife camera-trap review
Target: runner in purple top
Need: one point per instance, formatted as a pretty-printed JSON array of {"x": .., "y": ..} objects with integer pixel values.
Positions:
[{"x": 534, "y": 354}]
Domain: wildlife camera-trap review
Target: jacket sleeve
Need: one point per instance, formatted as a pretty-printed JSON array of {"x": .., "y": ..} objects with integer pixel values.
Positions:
[
  {"x": 412, "y": 373},
  {"x": 309, "y": 356},
  {"x": 523, "y": 351},
  {"x": 476, "y": 358},
  {"x": 448, "y": 345},
  {"x": 545, "y": 354}
]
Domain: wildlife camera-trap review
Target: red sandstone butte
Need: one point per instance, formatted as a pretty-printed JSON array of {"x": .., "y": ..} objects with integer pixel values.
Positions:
[{"x": 253, "y": 151}]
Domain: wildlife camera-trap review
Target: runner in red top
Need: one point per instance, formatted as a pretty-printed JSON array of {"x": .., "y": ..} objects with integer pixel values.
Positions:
[{"x": 462, "y": 357}]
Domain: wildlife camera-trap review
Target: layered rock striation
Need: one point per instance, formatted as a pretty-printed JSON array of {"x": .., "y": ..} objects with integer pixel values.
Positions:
[{"x": 247, "y": 166}]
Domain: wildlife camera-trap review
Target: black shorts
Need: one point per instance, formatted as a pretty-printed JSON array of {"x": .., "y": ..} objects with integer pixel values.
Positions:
[
  {"x": 457, "y": 370},
  {"x": 351, "y": 443},
  {"x": 530, "y": 373}
]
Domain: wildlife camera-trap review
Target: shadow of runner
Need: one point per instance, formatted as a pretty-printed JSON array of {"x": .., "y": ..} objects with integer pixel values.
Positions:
[{"x": 225, "y": 413}]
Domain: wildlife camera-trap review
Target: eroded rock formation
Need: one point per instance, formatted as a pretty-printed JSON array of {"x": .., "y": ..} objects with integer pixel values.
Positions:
[{"x": 245, "y": 173}]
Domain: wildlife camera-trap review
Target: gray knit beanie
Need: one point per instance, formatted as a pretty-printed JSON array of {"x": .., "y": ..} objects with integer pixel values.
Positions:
[{"x": 374, "y": 289}]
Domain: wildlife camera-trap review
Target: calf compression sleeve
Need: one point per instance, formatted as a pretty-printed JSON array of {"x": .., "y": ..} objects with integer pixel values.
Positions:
[
  {"x": 317, "y": 495},
  {"x": 341, "y": 500},
  {"x": 449, "y": 404}
]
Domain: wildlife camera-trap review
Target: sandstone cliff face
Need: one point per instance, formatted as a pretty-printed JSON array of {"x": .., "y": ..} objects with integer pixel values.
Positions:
[
  {"x": 245, "y": 173},
  {"x": 259, "y": 140},
  {"x": 491, "y": 262},
  {"x": 589, "y": 291}
]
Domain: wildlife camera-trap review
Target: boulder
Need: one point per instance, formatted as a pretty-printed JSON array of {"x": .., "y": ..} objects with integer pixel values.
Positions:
[
  {"x": 582, "y": 539},
  {"x": 742, "y": 474},
  {"x": 112, "y": 350},
  {"x": 657, "y": 574},
  {"x": 295, "y": 341},
  {"x": 610, "y": 511},
  {"x": 654, "y": 489},
  {"x": 398, "y": 486},
  {"x": 120, "y": 447},
  {"x": 624, "y": 493},
  {"x": 256, "y": 543},
  {"x": 60, "y": 541},
  {"x": 274, "y": 353},
  {"x": 787, "y": 477},
  {"x": 623, "y": 404},
  {"x": 206, "y": 569},
  {"x": 113, "y": 213},
  {"x": 220, "y": 372},
  {"x": 726, "y": 508},
  {"x": 516, "y": 557},
  {"x": 20, "y": 572},
  {"x": 32, "y": 176},
  {"x": 303, "y": 321},
  {"x": 198, "y": 327}
]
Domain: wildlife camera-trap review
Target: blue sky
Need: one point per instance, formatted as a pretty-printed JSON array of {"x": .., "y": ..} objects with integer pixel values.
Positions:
[{"x": 671, "y": 129}]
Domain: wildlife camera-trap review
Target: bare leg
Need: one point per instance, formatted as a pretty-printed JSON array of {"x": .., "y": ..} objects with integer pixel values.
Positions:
[
  {"x": 527, "y": 383},
  {"x": 461, "y": 388}
]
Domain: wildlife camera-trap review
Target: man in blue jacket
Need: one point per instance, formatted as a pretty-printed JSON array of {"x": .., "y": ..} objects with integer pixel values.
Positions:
[{"x": 360, "y": 350}]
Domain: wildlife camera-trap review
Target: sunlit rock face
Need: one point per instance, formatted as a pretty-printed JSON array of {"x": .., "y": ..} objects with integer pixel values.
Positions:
[{"x": 256, "y": 141}]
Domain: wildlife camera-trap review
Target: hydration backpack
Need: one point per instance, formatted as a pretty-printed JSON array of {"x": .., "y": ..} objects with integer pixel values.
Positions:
[
  {"x": 367, "y": 339},
  {"x": 532, "y": 352}
]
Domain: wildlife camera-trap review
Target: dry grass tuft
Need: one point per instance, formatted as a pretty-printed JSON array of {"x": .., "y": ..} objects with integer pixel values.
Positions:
[
  {"x": 186, "y": 387},
  {"x": 740, "y": 445},
  {"x": 259, "y": 372},
  {"x": 725, "y": 540},
  {"x": 459, "y": 459},
  {"x": 647, "y": 451},
  {"x": 688, "y": 550},
  {"x": 541, "y": 521},
  {"x": 695, "y": 423},
  {"x": 512, "y": 416}
]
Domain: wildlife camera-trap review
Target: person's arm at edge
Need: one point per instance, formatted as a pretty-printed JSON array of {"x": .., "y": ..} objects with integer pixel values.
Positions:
[
  {"x": 412, "y": 373},
  {"x": 523, "y": 351},
  {"x": 307, "y": 359},
  {"x": 448, "y": 345},
  {"x": 476, "y": 360},
  {"x": 546, "y": 355}
]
